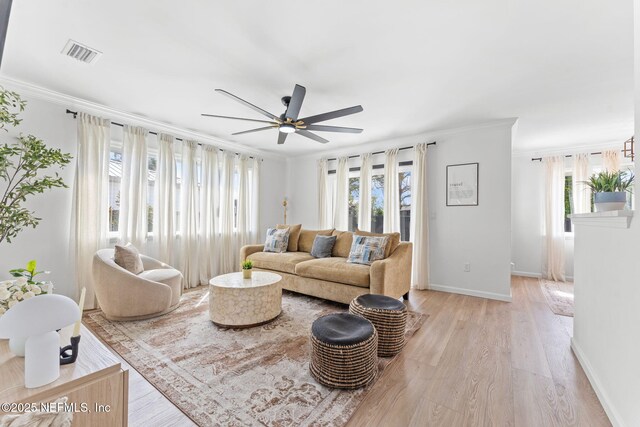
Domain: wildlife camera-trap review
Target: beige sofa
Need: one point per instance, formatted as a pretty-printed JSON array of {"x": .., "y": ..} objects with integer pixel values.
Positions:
[
  {"x": 333, "y": 278},
  {"x": 123, "y": 295}
]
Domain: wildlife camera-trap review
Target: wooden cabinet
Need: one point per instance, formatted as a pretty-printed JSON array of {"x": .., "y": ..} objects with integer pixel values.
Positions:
[{"x": 95, "y": 383}]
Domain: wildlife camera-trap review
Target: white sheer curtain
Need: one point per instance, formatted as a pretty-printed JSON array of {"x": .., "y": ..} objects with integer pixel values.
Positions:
[
  {"x": 341, "y": 211},
  {"x": 364, "y": 210},
  {"x": 189, "y": 255},
  {"x": 581, "y": 193},
  {"x": 132, "y": 224},
  {"x": 227, "y": 249},
  {"x": 164, "y": 211},
  {"x": 209, "y": 207},
  {"x": 244, "y": 202},
  {"x": 324, "y": 218},
  {"x": 420, "y": 218},
  {"x": 91, "y": 193},
  {"x": 391, "y": 192},
  {"x": 554, "y": 266},
  {"x": 611, "y": 160},
  {"x": 255, "y": 200}
]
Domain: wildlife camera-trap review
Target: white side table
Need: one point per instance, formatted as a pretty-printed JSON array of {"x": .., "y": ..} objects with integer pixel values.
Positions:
[{"x": 237, "y": 302}]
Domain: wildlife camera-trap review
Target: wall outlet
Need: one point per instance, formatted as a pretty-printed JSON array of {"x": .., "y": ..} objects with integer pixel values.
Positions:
[{"x": 467, "y": 267}]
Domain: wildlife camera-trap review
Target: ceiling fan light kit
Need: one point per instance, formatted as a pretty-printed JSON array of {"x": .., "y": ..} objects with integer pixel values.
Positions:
[{"x": 288, "y": 121}]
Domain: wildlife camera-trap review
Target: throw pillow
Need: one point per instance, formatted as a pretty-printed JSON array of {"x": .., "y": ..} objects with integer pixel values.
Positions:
[
  {"x": 128, "y": 258},
  {"x": 367, "y": 249},
  {"x": 305, "y": 241},
  {"x": 277, "y": 240},
  {"x": 343, "y": 243},
  {"x": 392, "y": 243},
  {"x": 322, "y": 246},
  {"x": 294, "y": 235}
]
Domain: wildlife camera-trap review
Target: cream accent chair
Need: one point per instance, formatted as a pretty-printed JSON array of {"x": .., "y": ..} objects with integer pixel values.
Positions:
[{"x": 123, "y": 295}]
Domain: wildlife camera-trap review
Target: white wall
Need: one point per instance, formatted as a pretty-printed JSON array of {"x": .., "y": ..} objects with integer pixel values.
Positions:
[
  {"x": 607, "y": 303},
  {"x": 479, "y": 235},
  {"x": 49, "y": 243}
]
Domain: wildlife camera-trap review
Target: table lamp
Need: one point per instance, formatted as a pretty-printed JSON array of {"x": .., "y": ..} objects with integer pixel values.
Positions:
[{"x": 37, "y": 320}]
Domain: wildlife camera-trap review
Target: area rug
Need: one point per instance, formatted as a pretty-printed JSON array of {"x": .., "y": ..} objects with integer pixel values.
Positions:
[
  {"x": 236, "y": 377},
  {"x": 559, "y": 296}
]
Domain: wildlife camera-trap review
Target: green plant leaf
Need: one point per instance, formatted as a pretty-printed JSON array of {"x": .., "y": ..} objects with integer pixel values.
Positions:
[{"x": 31, "y": 266}]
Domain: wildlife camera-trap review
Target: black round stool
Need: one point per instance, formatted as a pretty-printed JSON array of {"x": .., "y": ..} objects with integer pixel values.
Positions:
[
  {"x": 388, "y": 315},
  {"x": 343, "y": 351}
]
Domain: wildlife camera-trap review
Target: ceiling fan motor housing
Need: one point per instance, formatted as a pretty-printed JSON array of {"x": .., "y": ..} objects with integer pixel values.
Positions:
[{"x": 285, "y": 100}]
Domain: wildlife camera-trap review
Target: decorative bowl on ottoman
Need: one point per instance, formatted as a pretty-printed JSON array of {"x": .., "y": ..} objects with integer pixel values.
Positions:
[
  {"x": 388, "y": 315},
  {"x": 343, "y": 351}
]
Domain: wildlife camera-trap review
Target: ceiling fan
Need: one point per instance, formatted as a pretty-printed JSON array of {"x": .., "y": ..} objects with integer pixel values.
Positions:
[{"x": 288, "y": 121}]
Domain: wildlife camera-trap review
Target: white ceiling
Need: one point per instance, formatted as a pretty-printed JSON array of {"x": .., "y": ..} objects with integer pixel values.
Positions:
[{"x": 565, "y": 68}]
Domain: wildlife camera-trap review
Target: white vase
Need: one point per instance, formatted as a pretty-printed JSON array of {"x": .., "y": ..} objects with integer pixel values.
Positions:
[{"x": 16, "y": 345}]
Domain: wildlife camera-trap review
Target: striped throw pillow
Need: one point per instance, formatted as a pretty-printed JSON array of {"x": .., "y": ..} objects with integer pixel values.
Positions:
[
  {"x": 277, "y": 240},
  {"x": 367, "y": 249}
]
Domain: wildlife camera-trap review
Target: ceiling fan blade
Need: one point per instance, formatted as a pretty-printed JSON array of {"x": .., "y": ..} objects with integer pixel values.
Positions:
[
  {"x": 295, "y": 103},
  {"x": 311, "y": 135},
  {"x": 332, "y": 115},
  {"x": 248, "y": 104},
  {"x": 321, "y": 128},
  {"x": 238, "y": 118},
  {"x": 5, "y": 11},
  {"x": 254, "y": 130},
  {"x": 281, "y": 137}
]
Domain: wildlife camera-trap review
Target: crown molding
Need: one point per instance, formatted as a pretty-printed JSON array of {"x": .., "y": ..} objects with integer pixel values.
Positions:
[
  {"x": 584, "y": 148},
  {"x": 74, "y": 103}
]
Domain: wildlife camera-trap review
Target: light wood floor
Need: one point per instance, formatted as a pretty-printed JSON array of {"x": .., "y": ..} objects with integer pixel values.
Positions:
[{"x": 475, "y": 362}]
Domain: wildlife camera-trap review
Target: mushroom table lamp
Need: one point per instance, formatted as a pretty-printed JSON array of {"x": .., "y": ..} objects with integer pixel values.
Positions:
[{"x": 37, "y": 320}]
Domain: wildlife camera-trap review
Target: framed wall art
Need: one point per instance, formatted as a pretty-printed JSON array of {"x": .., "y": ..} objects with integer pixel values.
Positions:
[{"x": 462, "y": 184}]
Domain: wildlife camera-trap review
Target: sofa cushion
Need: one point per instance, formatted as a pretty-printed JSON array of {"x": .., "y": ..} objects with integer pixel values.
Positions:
[
  {"x": 367, "y": 249},
  {"x": 284, "y": 262},
  {"x": 305, "y": 241},
  {"x": 322, "y": 246},
  {"x": 343, "y": 243},
  {"x": 168, "y": 276},
  {"x": 277, "y": 240},
  {"x": 294, "y": 235},
  {"x": 392, "y": 242},
  {"x": 335, "y": 269}
]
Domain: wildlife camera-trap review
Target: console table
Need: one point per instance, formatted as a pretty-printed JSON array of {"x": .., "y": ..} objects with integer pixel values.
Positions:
[{"x": 96, "y": 380}]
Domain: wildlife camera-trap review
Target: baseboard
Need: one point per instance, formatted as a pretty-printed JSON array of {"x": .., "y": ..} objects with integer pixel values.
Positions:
[
  {"x": 526, "y": 274},
  {"x": 535, "y": 275},
  {"x": 595, "y": 383},
  {"x": 470, "y": 292}
]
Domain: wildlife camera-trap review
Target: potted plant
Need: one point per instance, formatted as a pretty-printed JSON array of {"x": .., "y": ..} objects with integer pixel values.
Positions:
[
  {"x": 23, "y": 168},
  {"x": 247, "y": 266},
  {"x": 610, "y": 189}
]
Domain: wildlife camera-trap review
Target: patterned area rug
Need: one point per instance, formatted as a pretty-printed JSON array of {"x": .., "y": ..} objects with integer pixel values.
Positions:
[
  {"x": 559, "y": 296},
  {"x": 236, "y": 377}
]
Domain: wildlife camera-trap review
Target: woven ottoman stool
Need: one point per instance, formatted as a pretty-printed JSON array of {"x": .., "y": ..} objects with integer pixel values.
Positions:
[
  {"x": 388, "y": 315},
  {"x": 343, "y": 351}
]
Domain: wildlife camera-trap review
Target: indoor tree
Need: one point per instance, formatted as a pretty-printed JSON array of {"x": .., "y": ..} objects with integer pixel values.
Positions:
[{"x": 25, "y": 168}]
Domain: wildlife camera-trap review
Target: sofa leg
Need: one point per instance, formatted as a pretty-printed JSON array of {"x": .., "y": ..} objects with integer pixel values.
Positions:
[{"x": 405, "y": 296}]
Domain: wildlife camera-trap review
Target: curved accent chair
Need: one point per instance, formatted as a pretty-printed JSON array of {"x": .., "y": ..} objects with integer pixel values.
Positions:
[{"x": 123, "y": 295}]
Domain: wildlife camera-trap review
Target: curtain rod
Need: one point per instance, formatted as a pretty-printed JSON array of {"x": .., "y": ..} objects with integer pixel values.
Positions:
[
  {"x": 381, "y": 152},
  {"x": 539, "y": 159},
  {"x": 75, "y": 114}
]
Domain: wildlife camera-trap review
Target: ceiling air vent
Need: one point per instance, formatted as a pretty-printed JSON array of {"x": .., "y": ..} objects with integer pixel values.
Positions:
[{"x": 81, "y": 52}]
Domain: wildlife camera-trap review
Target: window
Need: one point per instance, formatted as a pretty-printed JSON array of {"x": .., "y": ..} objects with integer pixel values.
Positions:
[
  {"x": 151, "y": 180},
  {"x": 404, "y": 178},
  {"x": 568, "y": 202},
  {"x": 354, "y": 202},
  {"x": 377, "y": 203},
  {"x": 115, "y": 178}
]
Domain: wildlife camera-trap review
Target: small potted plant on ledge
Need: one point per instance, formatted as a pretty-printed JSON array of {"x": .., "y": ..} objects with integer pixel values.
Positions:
[
  {"x": 610, "y": 190},
  {"x": 247, "y": 266}
]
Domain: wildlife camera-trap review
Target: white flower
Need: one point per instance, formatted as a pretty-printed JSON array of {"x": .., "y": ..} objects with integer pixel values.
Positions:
[
  {"x": 21, "y": 280},
  {"x": 18, "y": 295},
  {"x": 37, "y": 290},
  {"x": 29, "y": 294},
  {"x": 14, "y": 288},
  {"x": 2, "y": 311},
  {"x": 4, "y": 294},
  {"x": 6, "y": 283},
  {"x": 13, "y": 302}
]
